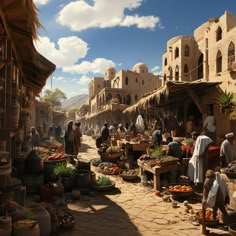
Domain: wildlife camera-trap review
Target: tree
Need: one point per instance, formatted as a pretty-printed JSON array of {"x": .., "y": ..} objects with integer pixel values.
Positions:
[{"x": 54, "y": 97}]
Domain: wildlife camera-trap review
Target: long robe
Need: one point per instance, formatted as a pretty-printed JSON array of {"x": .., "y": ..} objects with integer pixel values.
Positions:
[{"x": 195, "y": 166}]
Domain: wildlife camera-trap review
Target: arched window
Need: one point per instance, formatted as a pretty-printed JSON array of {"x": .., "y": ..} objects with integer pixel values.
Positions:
[
  {"x": 128, "y": 99},
  {"x": 187, "y": 51},
  {"x": 218, "y": 34},
  {"x": 177, "y": 52},
  {"x": 176, "y": 73},
  {"x": 185, "y": 69},
  {"x": 142, "y": 82},
  {"x": 231, "y": 54},
  {"x": 103, "y": 99},
  {"x": 136, "y": 97},
  {"x": 218, "y": 62},
  {"x": 170, "y": 73},
  {"x": 100, "y": 101},
  {"x": 165, "y": 62},
  {"x": 136, "y": 79},
  {"x": 200, "y": 67},
  {"x": 126, "y": 80}
]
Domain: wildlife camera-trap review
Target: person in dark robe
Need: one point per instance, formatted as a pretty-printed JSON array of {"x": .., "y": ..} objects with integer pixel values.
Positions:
[
  {"x": 105, "y": 134},
  {"x": 69, "y": 139},
  {"x": 78, "y": 135}
]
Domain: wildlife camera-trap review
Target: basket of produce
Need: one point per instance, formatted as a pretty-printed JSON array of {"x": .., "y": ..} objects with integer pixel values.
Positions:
[
  {"x": 104, "y": 183},
  {"x": 129, "y": 174},
  {"x": 188, "y": 142},
  {"x": 96, "y": 162},
  {"x": 108, "y": 168},
  {"x": 210, "y": 221},
  {"x": 180, "y": 190}
]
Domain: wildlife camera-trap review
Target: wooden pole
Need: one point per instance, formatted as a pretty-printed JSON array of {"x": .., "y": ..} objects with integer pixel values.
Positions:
[{"x": 204, "y": 163}]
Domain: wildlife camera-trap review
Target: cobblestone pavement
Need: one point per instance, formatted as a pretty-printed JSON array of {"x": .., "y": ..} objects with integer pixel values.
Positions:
[{"x": 130, "y": 210}]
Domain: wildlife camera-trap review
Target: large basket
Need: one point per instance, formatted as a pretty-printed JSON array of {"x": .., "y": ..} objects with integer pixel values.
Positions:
[
  {"x": 110, "y": 157},
  {"x": 208, "y": 222},
  {"x": 179, "y": 194}
]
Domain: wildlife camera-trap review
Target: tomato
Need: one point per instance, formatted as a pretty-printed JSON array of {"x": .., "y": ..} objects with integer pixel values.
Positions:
[{"x": 158, "y": 193}]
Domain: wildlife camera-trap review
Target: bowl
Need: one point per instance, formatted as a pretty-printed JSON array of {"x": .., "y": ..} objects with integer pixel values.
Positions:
[
  {"x": 105, "y": 188},
  {"x": 232, "y": 229},
  {"x": 179, "y": 193},
  {"x": 210, "y": 222}
]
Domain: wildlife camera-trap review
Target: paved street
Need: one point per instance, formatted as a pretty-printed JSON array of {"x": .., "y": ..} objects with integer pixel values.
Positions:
[{"x": 131, "y": 210}]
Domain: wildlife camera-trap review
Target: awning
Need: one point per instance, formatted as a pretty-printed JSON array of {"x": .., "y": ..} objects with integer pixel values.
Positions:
[
  {"x": 21, "y": 22},
  {"x": 171, "y": 93}
]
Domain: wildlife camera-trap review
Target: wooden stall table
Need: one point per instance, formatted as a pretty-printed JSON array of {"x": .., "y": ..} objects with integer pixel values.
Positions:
[
  {"x": 133, "y": 147},
  {"x": 157, "y": 171}
]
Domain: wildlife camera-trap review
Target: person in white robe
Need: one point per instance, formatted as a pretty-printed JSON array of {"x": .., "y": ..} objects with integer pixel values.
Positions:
[{"x": 195, "y": 166}]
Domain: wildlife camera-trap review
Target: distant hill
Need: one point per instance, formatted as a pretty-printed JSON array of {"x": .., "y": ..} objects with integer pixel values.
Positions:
[{"x": 74, "y": 102}]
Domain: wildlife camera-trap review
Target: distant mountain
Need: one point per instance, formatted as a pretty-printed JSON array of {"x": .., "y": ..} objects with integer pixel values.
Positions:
[{"x": 74, "y": 102}]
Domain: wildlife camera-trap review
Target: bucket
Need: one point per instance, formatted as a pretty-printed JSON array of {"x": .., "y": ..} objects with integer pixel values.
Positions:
[
  {"x": 33, "y": 182},
  {"x": 84, "y": 164},
  {"x": 82, "y": 179}
]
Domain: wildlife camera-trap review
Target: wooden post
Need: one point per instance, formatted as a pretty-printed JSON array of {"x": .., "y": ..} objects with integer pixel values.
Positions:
[{"x": 205, "y": 164}]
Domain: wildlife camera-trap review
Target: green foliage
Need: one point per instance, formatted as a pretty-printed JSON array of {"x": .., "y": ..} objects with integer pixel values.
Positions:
[
  {"x": 226, "y": 99},
  {"x": 157, "y": 152},
  {"x": 61, "y": 170},
  {"x": 29, "y": 215},
  {"x": 104, "y": 181},
  {"x": 54, "y": 97}
]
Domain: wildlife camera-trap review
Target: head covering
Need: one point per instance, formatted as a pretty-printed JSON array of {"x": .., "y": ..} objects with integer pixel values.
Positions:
[
  {"x": 111, "y": 127},
  {"x": 229, "y": 135},
  {"x": 120, "y": 125}
]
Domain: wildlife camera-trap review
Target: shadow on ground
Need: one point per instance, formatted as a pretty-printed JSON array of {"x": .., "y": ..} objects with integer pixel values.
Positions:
[{"x": 98, "y": 215}]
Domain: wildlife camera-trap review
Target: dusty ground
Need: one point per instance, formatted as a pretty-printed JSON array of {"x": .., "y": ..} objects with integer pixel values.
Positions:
[{"x": 130, "y": 210}]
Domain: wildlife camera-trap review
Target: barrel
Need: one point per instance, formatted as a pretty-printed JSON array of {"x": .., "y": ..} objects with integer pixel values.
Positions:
[
  {"x": 33, "y": 182},
  {"x": 43, "y": 218},
  {"x": 83, "y": 179},
  {"x": 26, "y": 228},
  {"x": 83, "y": 164}
]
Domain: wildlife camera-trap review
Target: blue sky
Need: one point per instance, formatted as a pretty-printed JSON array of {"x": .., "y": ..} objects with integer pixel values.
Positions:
[{"x": 82, "y": 38}]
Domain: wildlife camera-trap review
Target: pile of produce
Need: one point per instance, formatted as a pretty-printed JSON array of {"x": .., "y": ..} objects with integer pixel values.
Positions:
[
  {"x": 114, "y": 149},
  {"x": 208, "y": 216},
  {"x": 162, "y": 161},
  {"x": 52, "y": 144},
  {"x": 104, "y": 181},
  {"x": 188, "y": 142},
  {"x": 108, "y": 168},
  {"x": 56, "y": 156},
  {"x": 180, "y": 188},
  {"x": 145, "y": 157},
  {"x": 129, "y": 173}
]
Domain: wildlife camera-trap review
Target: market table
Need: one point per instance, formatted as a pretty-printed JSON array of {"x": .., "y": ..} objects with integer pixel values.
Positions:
[
  {"x": 213, "y": 151},
  {"x": 157, "y": 171},
  {"x": 131, "y": 148}
]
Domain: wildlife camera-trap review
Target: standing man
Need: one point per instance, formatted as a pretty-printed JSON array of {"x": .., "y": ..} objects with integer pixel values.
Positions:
[
  {"x": 69, "y": 139},
  {"x": 228, "y": 150},
  {"x": 34, "y": 137},
  {"x": 105, "y": 133},
  {"x": 78, "y": 135}
]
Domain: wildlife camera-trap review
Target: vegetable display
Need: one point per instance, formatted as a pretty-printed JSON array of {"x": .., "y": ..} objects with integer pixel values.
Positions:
[
  {"x": 180, "y": 188},
  {"x": 104, "y": 181}
]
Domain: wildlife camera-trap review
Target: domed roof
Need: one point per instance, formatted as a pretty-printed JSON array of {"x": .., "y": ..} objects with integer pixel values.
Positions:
[
  {"x": 110, "y": 68},
  {"x": 139, "y": 66}
]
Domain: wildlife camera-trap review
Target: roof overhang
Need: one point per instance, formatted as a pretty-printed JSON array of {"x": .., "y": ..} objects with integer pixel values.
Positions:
[
  {"x": 171, "y": 93},
  {"x": 21, "y": 22}
]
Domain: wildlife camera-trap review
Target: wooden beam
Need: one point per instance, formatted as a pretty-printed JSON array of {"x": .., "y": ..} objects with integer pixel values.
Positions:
[{"x": 197, "y": 100}]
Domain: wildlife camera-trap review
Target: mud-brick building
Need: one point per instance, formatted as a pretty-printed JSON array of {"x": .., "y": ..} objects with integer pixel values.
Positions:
[{"x": 111, "y": 94}]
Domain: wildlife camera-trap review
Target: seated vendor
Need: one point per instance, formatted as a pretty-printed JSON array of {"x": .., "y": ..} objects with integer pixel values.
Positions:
[{"x": 173, "y": 148}]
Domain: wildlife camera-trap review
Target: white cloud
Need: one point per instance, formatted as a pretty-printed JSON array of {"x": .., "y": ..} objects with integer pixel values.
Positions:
[
  {"x": 41, "y": 2},
  {"x": 99, "y": 65},
  {"x": 155, "y": 68},
  {"x": 68, "y": 52},
  {"x": 84, "y": 80},
  {"x": 79, "y": 15},
  {"x": 142, "y": 22}
]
